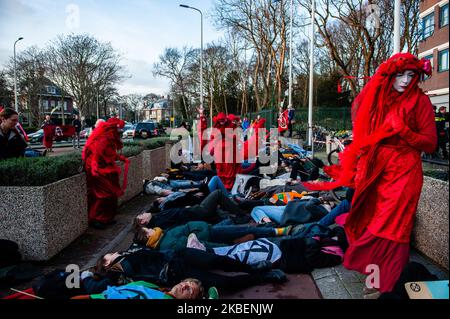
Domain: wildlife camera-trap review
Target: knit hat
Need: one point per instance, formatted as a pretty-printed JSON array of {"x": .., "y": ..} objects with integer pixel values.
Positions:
[{"x": 153, "y": 240}]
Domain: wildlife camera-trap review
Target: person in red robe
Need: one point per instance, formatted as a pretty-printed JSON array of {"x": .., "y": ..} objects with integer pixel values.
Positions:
[
  {"x": 392, "y": 126},
  {"x": 102, "y": 172},
  {"x": 49, "y": 133}
]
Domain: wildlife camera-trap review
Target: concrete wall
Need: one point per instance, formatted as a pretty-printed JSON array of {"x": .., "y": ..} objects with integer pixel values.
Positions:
[
  {"x": 430, "y": 235},
  {"x": 135, "y": 179},
  {"x": 44, "y": 220}
]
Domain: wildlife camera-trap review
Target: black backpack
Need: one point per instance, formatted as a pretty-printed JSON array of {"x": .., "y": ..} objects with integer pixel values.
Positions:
[{"x": 10, "y": 254}]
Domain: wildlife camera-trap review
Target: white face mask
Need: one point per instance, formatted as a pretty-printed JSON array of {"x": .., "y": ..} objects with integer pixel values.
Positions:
[{"x": 402, "y": 80}]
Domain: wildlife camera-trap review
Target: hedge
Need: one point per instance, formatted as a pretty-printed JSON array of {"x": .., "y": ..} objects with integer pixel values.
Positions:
[
  {"x": 40, "y": 171},
  {"x": 437, "y": 174}
]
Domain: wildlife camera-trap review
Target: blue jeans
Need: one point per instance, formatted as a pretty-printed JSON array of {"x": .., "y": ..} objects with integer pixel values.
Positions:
[
  {"x": 342, "y": 208},
  {"x": 273, "y": 212},
  {"x": 226, "y": 234},
  {"x": 184, "y": 184},
  {"x": 216, "y": 183}
]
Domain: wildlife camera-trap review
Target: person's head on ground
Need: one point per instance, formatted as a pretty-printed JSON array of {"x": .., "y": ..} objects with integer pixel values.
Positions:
[
  {"x": 8, "y": 119},
  {"x": 442, "y": 110},
  {"x": 47, "y": 118},
  {"x": 189, "y": 288},
  {"x": 141, "y": 220},
  {"x": 149, "y": 237},
  {"x": 107, "y": 263}
]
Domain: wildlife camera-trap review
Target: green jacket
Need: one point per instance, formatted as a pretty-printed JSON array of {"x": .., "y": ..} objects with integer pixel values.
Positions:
[{"x": 176, "y": 238}]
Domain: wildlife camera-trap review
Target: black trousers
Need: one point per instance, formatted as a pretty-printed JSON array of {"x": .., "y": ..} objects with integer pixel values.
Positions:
[
  {"x": 210, "y": 204},
  {"x": 194, "y": 263}
]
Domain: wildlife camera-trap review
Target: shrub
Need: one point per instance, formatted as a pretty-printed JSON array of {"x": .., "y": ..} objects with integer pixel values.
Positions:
[
  {"x": 438, "y": 174},
  {"x": 39, "y": 171}
]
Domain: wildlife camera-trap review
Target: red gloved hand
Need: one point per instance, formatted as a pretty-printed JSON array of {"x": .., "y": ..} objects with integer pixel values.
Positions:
[{"x": 395, "y": 122}]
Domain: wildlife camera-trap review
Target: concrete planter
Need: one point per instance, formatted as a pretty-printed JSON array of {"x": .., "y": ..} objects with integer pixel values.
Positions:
[
  {"x": 135, "y": 178},
  {"x": 430, "y": 235},
  {"x": 153, "y": 162},
  {"x": 44, "y": 220}
]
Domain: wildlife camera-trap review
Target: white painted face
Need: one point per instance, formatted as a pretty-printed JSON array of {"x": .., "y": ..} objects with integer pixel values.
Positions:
[{"x": 402, "y": 80}]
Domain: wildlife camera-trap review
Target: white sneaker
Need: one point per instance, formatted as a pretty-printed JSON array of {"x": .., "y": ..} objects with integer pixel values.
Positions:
[{"x": 193, "y": 242}]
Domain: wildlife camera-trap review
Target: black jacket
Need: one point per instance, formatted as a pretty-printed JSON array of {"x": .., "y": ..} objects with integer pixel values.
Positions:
[{"x": 12, "y": 144}]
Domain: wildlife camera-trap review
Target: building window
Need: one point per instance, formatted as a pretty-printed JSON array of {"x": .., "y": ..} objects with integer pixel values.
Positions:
[
  {"x": 45, "y": 104},
  {"x": 427, "y": 26},
  {"x": 51, "y": 90},
  {"x": 443, "y": 16},
  {"x": 443, "y": 61},
  {"x": 65, "y": 105},
  {"x": 52, "y": 104},
  {"x": 428, "y": 57}
]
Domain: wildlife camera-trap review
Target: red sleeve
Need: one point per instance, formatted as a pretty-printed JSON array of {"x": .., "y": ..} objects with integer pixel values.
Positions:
[{"x": 425, "y": 137}]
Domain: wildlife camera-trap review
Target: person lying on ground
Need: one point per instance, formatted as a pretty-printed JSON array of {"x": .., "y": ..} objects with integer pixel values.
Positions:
[
  {"x": 211, "y": 235},
  {"x": 207, "y": 211},
  {"x": 295, "y": 212},
  {"x": 189, "y": 288},
  {"x": 167, "y": 268}
]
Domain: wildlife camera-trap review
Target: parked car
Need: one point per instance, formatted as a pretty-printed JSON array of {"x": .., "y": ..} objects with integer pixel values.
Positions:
[
  {"x": 161, "y": 129},
  {"x": 37, "y": 136},
  {"x": 145, "y": 130},
  {"x": 86, "y": 132},
  {"x": 128, "y": 131}
]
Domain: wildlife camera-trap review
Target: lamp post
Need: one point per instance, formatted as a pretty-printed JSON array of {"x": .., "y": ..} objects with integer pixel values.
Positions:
[
  {"x": 16, "y": 107},
  {"x": 201, "y": 57},
  {"x": 311, "y": 77},
  {"x": 397, "y": 7},
  {"x": 290, "y": 55}
]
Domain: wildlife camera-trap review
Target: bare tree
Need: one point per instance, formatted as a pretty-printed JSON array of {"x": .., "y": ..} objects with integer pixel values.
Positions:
[
  {"x": 358, "y": 33},
  {"x": 134, "y": 103},
  {"x": 30, "y": 71},
  {"x": 173, "y": 64},
  {"x": 84, "y": 67}
]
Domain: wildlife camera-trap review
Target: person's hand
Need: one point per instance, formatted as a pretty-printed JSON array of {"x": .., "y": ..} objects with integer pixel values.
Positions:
[
  {"x": 395, "y": 122},
  {"x": 86, "y": 274}
]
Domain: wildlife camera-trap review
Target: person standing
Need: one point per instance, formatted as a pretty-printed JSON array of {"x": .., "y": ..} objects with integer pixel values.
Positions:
[
  {"x": 393, "y": 123},
  {"x": 291, "y": 119},
  {"x": 76, "y": 123},
  {"x": 49, "y": 133},
  {"x": 12, "y": 143},
  {"x": 441, "y": 119},
  {"x": 102, "y": 173}
]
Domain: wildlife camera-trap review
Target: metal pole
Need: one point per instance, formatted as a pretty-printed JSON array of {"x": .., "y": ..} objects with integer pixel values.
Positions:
[
  {"x": 201, "y": 54},
  {"x": 290, "y": 55},
  {"x": 311, "y": 75},
  {"x": 16, "y": 107},
  {"x": 397, "y": 26},
  {"x": 98, "y": 111}
]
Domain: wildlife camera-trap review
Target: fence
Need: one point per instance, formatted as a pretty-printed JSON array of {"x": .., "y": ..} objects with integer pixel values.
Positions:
[{"x": 330, "y": 118}]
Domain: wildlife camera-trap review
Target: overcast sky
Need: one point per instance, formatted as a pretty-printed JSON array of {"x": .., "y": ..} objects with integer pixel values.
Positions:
[{"x": 139, "y": 29}]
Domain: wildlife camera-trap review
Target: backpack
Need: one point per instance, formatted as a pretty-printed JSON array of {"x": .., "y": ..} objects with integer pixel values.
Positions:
[
  {"x": 10, "y": 254},
  {"x": 53, "y": 286},
  {"x": 136, "y": 290}
]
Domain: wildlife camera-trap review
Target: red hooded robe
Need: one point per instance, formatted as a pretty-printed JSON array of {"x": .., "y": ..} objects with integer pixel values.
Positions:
[{"x": 384, "y": 165}]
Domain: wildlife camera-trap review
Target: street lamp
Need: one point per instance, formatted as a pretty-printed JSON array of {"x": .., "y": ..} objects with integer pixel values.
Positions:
[
  {"x": 397, "y": 8},
  {"x": 311, "y": 78},
  {"x": 15, "y": 77},
  {"x": 201, "y": 57}
]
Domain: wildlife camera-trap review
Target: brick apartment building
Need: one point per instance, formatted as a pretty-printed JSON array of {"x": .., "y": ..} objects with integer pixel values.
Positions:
[{"x": 434, "y": 46}]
